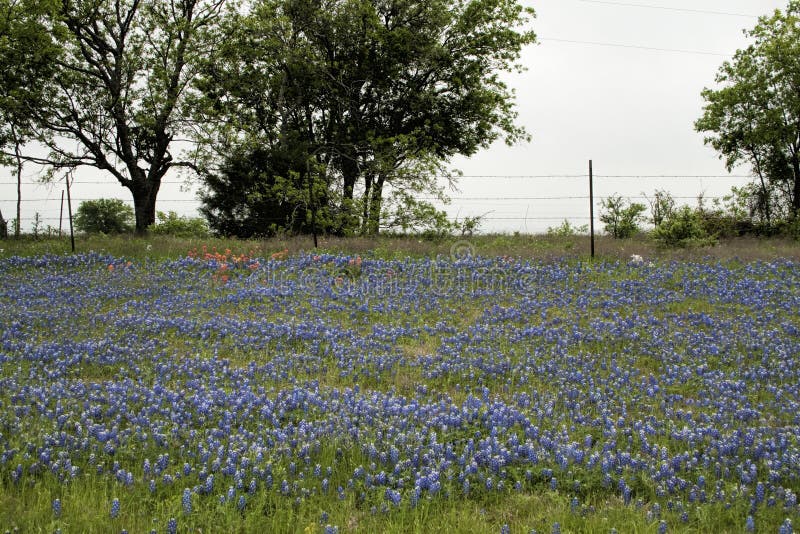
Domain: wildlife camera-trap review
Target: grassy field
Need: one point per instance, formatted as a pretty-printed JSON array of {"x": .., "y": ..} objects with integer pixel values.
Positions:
[
  {"x": 537, "y": 247},
  {"x": 504, "y": 384}
]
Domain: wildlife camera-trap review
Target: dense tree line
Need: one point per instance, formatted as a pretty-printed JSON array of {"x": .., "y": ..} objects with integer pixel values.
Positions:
[
  {"x": 298, "y": 112},
  {"x": 325, "y": 115}
]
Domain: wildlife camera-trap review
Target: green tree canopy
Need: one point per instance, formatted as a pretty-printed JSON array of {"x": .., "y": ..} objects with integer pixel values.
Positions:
[
  {"x": 104, "y": 215},
  {"x": 28, "y": 53},
  {"x": 115, "y": 101},
  {"x": 377, "y": 92},
  {"x": 754, "y": 116}
]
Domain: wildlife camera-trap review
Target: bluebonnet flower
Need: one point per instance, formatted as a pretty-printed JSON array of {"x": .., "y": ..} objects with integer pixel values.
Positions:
[
  {"x": 596, "y": 420},
  {"x": 656, "y": 510},
  {"x": 57, "y": 507},
  {"x": 186, "y": 501},
  {"x": 114, "y": 508},
  {"x": 393, "y": 496},
  {"x": 760, "y": 490}
]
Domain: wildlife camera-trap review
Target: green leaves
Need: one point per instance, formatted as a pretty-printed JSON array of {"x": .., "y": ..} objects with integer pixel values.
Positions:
[
  {"x": 28, "y": 54},
  {"x": 754, "y": 116},
  {"x": 104, "y": 215},
  {"x": 370, "y": 88},
  {"x": 621, "y": 217}
]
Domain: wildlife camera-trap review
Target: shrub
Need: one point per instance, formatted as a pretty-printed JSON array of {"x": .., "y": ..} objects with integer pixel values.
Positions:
[
  {"x": 661, "y": 206},
  {"x": 408, "y": 216},
  {"x": 567, "y": 229},
  {"x": 789, "y": 228},
  {"x": 262, "y": 192},
  {"x": 104, "y": 215},
  {"x": 621, "y": 217},
  {"x": 179, "y": 226},
  {"x": 683, "y": 228}
]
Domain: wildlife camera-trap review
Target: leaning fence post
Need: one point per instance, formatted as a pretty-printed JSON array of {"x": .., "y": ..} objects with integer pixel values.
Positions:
[{"x": 69, "y": 208}]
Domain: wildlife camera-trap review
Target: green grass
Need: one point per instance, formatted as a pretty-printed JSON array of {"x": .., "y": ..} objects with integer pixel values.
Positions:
[{"x": 399, "y": 247}]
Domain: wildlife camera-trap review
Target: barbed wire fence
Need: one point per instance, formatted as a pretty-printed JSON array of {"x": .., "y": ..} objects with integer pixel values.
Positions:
[{"x": 524, "y": 203}]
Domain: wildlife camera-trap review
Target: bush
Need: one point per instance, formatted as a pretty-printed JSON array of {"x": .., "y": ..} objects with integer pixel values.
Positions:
[
  {"x": 567, "y": 229},
  {"x": 661, "y": 206},
  {"x": 621, "y": 218},
  {"x": 788, "y": 228},
  {"x": 263, "y": 192},
  {"x": 104, "y": 215},
  {"x": 405, "y": 215},
  {"x": 683, "y": 228},
  {"x": 172, "y": 224}
]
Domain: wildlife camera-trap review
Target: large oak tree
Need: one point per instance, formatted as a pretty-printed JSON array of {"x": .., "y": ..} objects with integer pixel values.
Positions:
[
  {"x": 120, "y": 86},
  {"x": 378, "y": 91}
]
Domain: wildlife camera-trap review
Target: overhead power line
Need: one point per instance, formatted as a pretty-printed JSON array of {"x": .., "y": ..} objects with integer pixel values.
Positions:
[
  {"x": 666, "y": 8},
  {"x": 638, "y": 47}
]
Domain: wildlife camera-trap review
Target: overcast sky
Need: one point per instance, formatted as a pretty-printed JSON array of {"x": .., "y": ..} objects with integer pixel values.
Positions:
[{"x": 630, "y": 108}]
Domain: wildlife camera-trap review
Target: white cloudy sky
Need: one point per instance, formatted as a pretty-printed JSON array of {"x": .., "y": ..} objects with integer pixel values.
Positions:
[{"x": 629, "y": 108}]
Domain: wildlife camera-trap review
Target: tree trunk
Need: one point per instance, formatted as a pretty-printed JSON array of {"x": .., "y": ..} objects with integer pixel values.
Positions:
[
  {"x": 365, "y": 205},
  {"x": 3, "y": 227},
  {"x": 350, "y": 174},
  {"x": 144, "y": 203},
  {"x": 375, "y": 203},
  {"x": 796, "y": 192},
  {"x": 764, "y": 190},
  {"x": 18, "y": 154}
]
